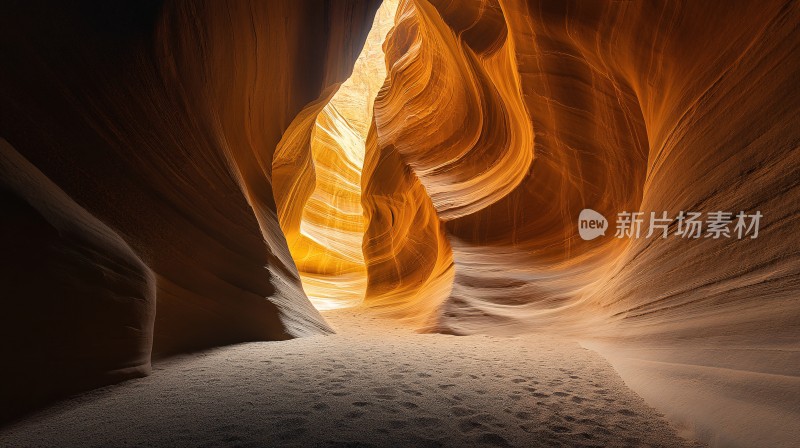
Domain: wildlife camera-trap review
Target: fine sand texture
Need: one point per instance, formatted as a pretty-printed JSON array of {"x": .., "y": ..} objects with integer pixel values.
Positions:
[{"x": 374, "y": 383}]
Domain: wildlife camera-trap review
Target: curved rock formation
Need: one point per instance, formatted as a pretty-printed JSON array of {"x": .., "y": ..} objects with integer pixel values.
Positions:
[
  {"x": 78, "y": 304},
  {"x": 162, "y": 122},
  {"x": 468, "y": 134},
  {"x": 409, "y": 263},
  {"x": 456, "y": 116},
  {"x": 319, "y": 162},
  {"x": 327, "y": 244},
  {"x": 611, "y": 132},
  {"x": 668, "y": 107},
  {"x": 212, "y": 139}
]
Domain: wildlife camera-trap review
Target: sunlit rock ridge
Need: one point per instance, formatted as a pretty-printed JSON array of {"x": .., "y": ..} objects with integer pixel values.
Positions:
[{"x": 325, "y": 229}]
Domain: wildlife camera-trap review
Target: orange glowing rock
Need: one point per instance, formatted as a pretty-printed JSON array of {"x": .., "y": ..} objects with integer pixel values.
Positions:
[
  {"x": 442, "y": 182},
  {"x": 325, "y": 224},
  {"x": 513, "y": 116}
]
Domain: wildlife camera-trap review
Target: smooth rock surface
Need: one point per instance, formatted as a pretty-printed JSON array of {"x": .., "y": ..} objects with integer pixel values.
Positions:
[
  {"x": 77, "y": 303},
  {"x": 161, "y": 119}
]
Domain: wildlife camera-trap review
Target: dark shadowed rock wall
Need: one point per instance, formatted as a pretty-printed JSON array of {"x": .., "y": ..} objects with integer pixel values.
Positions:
[
  {"x": 78, "y": 304},
  {"x": 160, "y": 120}
]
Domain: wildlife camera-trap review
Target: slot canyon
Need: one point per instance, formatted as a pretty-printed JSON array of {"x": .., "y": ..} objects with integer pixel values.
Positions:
[{"x": 352, "y": 223}]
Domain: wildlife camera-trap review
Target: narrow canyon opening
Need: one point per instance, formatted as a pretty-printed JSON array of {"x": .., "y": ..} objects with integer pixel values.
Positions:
[
  {"x": 327, "y": 247},
  {"x": 181, "y": 177}
]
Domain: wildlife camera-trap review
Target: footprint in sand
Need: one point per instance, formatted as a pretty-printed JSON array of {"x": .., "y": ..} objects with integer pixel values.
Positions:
[
  {"x": 492, "y": 439},
  {"x": 384, "y": 393},
  {"x": 524, "y": 415},
  {"x": 416, "y": 393},
  {"x": 294, "y": 421},
  {"x": 321, "y": 407},
  {"x": 470, "y": 425},
  {"x": 397, "y": 424},
  {"x": 460, "y": 411},
  {"x": 427, "y": 421}
]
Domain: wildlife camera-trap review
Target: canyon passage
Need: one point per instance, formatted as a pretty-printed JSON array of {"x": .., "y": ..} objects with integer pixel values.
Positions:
[{"x": 359, "y": 223}]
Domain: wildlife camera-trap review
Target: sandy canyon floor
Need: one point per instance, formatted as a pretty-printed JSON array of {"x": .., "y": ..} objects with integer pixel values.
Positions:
[{"x": 372, "y": 384}]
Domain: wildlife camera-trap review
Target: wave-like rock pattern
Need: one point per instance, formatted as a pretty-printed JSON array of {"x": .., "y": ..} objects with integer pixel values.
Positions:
[
  {"x": 327, "y": 245},
  {"x": 616, "y": 127},
  {"x": 455, "y": 115},
  {"x": 319, "y": 161},
  {"x": 449, "y": 84},
  {"x": 628, "y": 106},
  {"x": 408, "y": 258}
]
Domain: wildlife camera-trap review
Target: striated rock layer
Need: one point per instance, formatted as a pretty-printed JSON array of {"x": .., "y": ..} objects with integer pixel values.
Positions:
[
  {"x": 514, "y": 116},
  {"x": 319, "y": 161}
]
